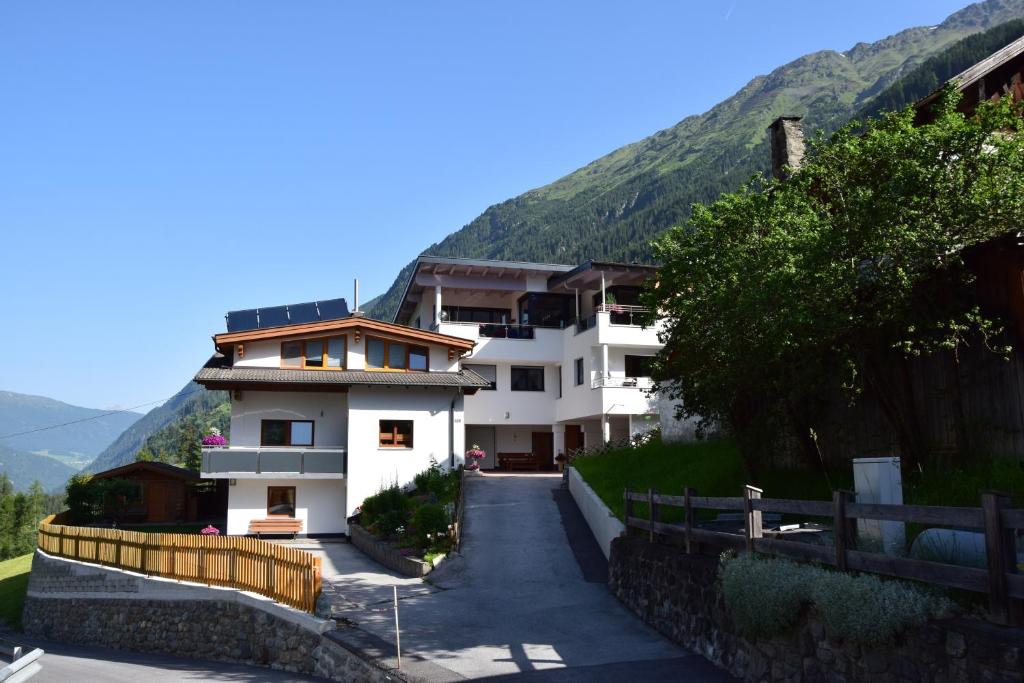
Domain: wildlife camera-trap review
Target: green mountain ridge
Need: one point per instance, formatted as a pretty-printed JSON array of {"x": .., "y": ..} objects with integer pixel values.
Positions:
[
  {"x": 91, "y": 429},
  {"x": 22, "y": 468},
  {"x": 612, "y": 207}
]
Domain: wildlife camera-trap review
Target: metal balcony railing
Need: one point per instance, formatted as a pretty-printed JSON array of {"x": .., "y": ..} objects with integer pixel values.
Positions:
[
  {"x": 227, "y": 461},
  {"x": 624, "y": 314},
  {"x": 625, "y": 382}
]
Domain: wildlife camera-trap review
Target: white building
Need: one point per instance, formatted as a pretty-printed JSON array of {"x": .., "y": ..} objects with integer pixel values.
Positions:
[
  {"x": 327, "y": 408},
  {"x": 562, "y": 347}
]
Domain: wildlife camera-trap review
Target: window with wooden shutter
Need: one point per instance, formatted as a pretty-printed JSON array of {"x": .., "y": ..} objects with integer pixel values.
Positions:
[{"x": 396, "y": 433}]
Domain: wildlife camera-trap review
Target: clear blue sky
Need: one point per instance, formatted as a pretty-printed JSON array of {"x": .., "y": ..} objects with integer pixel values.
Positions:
[{"x": 163, "y": 164}]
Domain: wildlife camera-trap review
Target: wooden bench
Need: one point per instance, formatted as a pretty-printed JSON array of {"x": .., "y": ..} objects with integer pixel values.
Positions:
[
  {"x": 518, "y": 461},
  {"x": 279, "y": 525}
]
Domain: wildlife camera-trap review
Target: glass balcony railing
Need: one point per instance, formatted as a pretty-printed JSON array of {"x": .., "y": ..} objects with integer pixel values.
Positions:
[{"x": 233, "y": 461}]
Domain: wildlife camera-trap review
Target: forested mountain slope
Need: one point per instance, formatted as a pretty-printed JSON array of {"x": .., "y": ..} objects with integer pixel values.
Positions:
[
  {"x": 611, "y": 208},
  {"x": 23, "y": 468},
  {"x": 161, "y": 425}
]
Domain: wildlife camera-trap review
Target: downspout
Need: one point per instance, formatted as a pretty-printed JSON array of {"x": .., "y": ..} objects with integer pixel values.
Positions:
[{"x": 451, "y": 433}]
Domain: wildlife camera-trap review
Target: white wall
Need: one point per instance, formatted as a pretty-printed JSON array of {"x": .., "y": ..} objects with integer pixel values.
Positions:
[
  {"x": 673, "y": 430},
  {"x": 517, "y": 439},
  {"x": 370, "y": 467},
  {"x": 319, "y": 503},
  {"x": 267, "y": 354},
  {"x": 329, "y": 412},
  {"x": 523, "y": 407},
  {"x": 603, "y": 524}
]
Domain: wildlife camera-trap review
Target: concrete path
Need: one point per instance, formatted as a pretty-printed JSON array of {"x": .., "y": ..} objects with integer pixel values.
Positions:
[{"x": 527, "y": 599}]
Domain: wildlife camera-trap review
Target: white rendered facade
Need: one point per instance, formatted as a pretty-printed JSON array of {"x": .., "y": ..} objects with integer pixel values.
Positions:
[
  {"x": 342, "y": 458},
  {"x": 491, "y": 302}
]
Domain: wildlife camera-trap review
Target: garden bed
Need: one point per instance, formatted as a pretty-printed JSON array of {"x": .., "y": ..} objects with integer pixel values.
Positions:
[{"x": 410, "y": 531}]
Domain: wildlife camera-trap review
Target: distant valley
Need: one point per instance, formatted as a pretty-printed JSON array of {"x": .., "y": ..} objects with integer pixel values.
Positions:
[{"x": 29, "y": 452}]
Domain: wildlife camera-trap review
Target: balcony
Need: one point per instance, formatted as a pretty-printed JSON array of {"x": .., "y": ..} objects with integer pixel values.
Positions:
[
  {"x": 621, "y": 314},
  {"x": 622, "y": 383},
  {"x": 240, "y": 462}
]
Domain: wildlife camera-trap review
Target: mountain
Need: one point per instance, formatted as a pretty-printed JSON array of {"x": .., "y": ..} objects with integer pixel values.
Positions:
[
  {"x": 75, "y": 444},
  {"x": 23, "y": 468},
  {"x": 192, "y": 399},
  {"x": 613, "y": 207}
]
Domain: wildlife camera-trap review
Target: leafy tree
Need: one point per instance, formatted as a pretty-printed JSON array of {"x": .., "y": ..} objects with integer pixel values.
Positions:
[
  {"x": 779, "y": 295},
  {"x": 19, "y": 515}
]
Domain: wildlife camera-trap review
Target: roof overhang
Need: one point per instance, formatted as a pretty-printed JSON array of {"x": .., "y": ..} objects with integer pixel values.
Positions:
[
  {"x": 590, "y": 274},
  {"x": 972, "y": 80},
  {"x": 355, "y": 324},
  {"x": 478, "y": 274}
]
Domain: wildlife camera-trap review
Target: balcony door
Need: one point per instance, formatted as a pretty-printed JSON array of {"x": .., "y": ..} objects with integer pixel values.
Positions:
[{"x": 573, "y": 438}]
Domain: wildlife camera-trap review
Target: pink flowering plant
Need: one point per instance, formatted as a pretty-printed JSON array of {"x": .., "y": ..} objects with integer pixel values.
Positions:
[
  {"x": 210, "y": 530},
  {"x": 214, "y": 438},
  {"x": 475, "y": 455}
]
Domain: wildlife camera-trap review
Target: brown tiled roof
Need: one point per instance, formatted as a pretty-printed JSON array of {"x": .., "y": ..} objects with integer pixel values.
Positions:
[
  {"x": 144, "y": 466},
  {"x": 218, "y": 371}
]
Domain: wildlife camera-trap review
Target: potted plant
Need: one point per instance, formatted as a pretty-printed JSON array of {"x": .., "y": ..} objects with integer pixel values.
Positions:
[
  {"x": 474, "y": 455},
  {"x": 560, "y": 459},
  {"x": 214, "y": 438}
]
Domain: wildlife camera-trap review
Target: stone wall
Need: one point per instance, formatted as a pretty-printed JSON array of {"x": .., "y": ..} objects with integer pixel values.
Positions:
[
  {"x": 73, "y": 602},
  {"x": 678, "y": 595},
  {"x": 386, "y": 554}
]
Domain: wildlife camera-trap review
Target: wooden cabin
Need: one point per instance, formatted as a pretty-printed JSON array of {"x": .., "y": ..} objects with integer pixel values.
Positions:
[{"x": 164, "y": 492}]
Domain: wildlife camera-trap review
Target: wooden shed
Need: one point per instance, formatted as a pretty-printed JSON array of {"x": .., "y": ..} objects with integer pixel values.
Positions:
[{"x": 164, "y": 491}]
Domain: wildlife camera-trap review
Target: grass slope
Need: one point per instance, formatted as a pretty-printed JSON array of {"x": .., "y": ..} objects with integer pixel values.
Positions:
[{"x": 13, "y": 585}]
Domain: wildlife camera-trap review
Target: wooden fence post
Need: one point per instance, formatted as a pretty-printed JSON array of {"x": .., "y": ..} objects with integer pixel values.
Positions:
[
  {"x": 751, "y": 517},
  {"x": 842, "y": 530},
  {"x": 652, "y": 513},
  {"x": 628, "y": 508},
  {"x": 1000, "y": 551},
  {"x": 688, "y": 512}
]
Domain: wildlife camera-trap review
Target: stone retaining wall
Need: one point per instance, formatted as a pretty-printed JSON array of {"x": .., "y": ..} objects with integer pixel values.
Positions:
[
  {"x": 385, "y": 554},
  {"x": 678, "y": 594},
  {"x": 74, "y": 602}
]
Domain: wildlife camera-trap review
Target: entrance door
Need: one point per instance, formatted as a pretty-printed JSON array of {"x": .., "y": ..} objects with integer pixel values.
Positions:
[
  {"x": 573, "y": 438},
  {"x": 544, "y": 449}
]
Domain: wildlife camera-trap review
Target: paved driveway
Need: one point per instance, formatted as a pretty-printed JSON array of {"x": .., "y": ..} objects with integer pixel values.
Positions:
[{"x": 527, "y": 600}]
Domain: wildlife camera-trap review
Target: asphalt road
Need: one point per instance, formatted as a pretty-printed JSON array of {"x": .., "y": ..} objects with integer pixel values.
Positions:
[
  {"x": 528, "y": 599},
  {"x": 72, "y": 663}
]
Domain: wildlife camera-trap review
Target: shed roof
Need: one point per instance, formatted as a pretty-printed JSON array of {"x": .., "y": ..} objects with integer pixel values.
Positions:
[{"x": 152, "y": 467}]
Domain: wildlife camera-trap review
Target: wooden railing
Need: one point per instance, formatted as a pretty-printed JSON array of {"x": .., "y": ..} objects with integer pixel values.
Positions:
[
  {"x": 287, "y": 575},
  {"x": 1000, "y": 524}
]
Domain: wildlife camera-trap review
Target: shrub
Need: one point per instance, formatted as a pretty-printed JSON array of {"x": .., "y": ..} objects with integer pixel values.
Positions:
[
  {"x": 438, "y": 483},
  {"x": 429, "y": 519},
  {"x": 391, "y": 503},
  {"x": 764, "y": 596}
]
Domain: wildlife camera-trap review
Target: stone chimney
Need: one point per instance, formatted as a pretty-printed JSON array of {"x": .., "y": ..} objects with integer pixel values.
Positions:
[{"x": 786, "y": 136}]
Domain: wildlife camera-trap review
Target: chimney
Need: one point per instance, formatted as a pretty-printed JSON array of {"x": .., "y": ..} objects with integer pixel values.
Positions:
[
  {"x": 786, "y": 136},
  {"x": 355, "y": 299}
]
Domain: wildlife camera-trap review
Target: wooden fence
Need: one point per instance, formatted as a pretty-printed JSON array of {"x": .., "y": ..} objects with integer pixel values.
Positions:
[
  {"x": 1001, "y": 580},
  {"x": 287, "y": 575}
]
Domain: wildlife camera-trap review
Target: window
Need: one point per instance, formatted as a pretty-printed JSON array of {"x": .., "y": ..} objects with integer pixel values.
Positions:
[
  {"x": 559, "y": 370},
  {"x": 286, "y": 433},
  {"x": 638, "y": 366},
  {"x": 527, "y": 378},
  {"x": 291, "y": 354},
  {"x": 280, "y": 501},
  {"x": 488, "y": 372},
  {"x": 314, "y": 354},
  {"x": 470, "y": 314},
  {"x": 419, "y": 358},
  {"x": 396, "y": 433},
  {"x": 543, "y": 309},
  {"x": 578, "y": 366},
  {"x": 383, "y": 354}
]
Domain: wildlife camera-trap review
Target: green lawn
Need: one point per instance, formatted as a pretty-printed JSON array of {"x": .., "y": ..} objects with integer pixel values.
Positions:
[
  {"x": 13, "y": 584},
  {"x": 715, "y": 468},
  {"x": 164, "y": 528}
]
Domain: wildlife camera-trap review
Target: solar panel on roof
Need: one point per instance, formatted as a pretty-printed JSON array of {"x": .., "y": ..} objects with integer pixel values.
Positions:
[
  {"x": 303, "y": 313},
  {"x": 242, "y": 320},
  {"x": 273, "y": 316},
  {"x": 276, "y": 316},
  {"x": 333, "y": 309}
]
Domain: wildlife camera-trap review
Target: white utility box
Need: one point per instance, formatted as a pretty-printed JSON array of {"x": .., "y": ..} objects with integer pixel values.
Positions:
[{"x": 879, "y": 480}]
